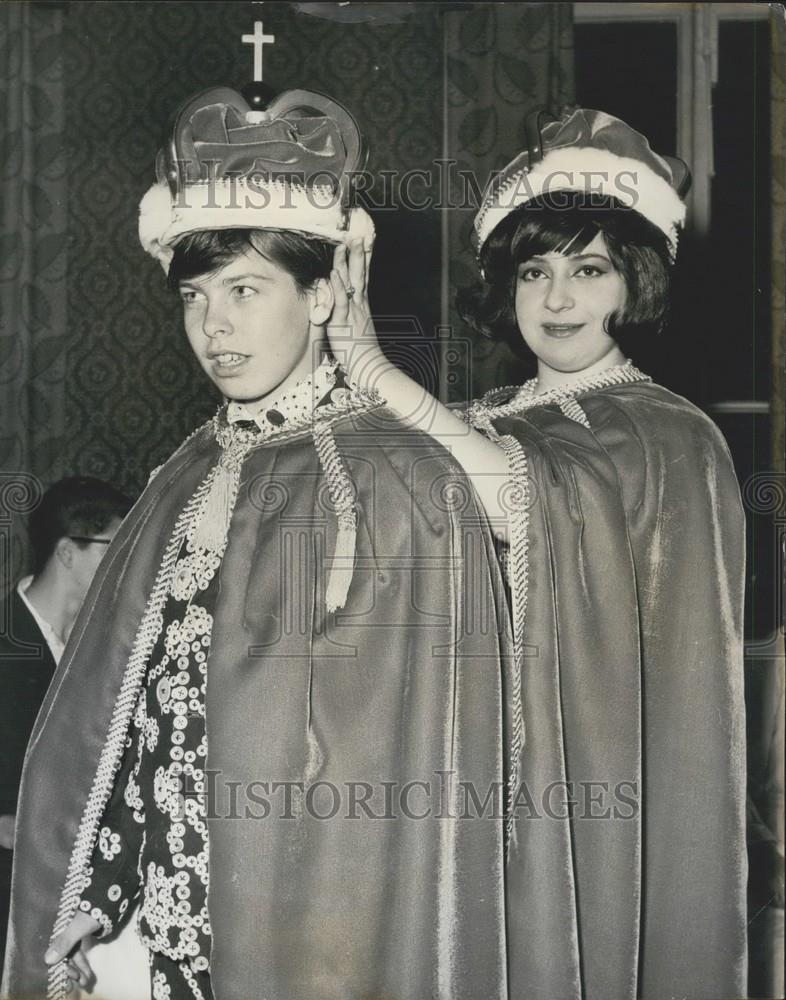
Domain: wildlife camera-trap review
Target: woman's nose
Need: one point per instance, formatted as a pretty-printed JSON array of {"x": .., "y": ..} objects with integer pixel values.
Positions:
[{"x": 559, "y": 294}]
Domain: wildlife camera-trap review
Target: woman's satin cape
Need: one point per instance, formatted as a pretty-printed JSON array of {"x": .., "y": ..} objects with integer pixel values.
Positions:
[{"x": 633, "y": 707}]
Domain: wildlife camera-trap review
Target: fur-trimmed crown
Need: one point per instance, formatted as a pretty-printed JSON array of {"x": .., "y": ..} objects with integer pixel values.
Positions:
[
  {"x": 227, "y": 166},
  {"x": 593, "y": 152}
]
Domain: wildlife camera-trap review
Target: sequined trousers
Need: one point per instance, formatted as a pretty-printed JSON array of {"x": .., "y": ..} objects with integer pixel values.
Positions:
[
  {"x": 153, "y": 837},
  {"x": 171, "y": 980}
]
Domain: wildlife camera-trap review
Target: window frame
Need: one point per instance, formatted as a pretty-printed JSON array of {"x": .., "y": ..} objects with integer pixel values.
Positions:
[{"x": 697, "y": 70}]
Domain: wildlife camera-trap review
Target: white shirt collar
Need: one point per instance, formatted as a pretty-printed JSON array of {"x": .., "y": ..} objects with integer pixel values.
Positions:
[
  {"x": 56, "y": 645},
  {"x": 292, "y": 406}
]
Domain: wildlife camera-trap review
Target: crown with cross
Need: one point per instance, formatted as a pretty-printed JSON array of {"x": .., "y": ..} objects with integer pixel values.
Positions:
[{"x": 230, "y": 165}]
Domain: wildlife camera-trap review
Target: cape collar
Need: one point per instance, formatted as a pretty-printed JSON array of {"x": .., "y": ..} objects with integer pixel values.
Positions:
[{"x": 510, "y": 400}]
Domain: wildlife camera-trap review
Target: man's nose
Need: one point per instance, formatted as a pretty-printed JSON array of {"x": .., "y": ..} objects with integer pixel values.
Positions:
[
  {"x": 216, "y": 322},
  {"x": 559, "y": 295}
]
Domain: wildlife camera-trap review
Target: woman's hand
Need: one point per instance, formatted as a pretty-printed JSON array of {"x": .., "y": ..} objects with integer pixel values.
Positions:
[
  {"x": 350, "y": 328},
  {"x": 69, "y": 945},
  {"x": 354, "y": 342}
]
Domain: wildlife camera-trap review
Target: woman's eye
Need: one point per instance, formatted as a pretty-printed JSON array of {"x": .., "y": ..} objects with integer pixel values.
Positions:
[
  {"x": 188, "y": 298},
  {"x": 531, "y": 273},
  {"x": 589, "y": 271},
  {"x": 244, "y": 291}
]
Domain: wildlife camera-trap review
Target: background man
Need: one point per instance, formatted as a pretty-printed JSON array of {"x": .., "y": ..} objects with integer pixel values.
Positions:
[{"x": 70, "y": 530}]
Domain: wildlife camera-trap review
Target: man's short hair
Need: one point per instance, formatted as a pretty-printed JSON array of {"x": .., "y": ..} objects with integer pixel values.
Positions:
[
  {"x": 567, "y": 221},
  {"x": 306, "y": 258},
  {"x": 78, "y": 505}
]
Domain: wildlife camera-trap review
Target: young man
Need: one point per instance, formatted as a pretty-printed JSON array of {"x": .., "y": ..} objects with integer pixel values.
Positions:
[
  {"x": 291, "y": 698},
  {"x": 69, "y": 530}
]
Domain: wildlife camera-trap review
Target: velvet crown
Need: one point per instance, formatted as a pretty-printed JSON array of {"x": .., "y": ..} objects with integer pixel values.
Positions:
[
  {"x": 228, "y": 166},
  {"x": 593, "y": 152}
]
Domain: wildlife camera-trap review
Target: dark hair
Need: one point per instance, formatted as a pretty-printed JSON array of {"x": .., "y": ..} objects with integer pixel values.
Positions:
[
  {"x": 307, "y": 258},
  {"x": 566, "y": 222},
  {"x": 78, "y": 505}
]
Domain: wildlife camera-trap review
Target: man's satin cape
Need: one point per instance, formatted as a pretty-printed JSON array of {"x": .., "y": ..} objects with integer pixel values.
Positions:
[{"x": 403, "y": 685}]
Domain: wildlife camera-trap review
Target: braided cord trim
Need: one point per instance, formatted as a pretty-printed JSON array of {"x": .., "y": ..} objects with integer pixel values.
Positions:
[
  {"x": 572, "y": 409},
  {"x": 342, "y": 496},
  {"x": 525, "y": 397},
  {"x": 146, "y": 637},
  {"x": 518, "y": 578}
]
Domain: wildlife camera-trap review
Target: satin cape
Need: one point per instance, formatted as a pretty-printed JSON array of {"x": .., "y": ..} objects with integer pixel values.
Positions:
[
  {"x": 390, "y": 702},
  {"x": 627, "y": 870}
]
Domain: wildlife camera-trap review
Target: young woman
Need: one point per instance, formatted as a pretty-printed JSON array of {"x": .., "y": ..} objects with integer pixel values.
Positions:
[{"x": 624, "y": 531}]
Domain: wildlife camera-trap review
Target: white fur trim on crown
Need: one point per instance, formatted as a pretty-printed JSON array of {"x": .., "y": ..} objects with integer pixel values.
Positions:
[
  {"x": 237, "y": 204},
  {"x": 593, "y": 170}
]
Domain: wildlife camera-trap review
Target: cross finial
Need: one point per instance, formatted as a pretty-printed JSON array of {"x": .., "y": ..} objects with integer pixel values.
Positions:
[{"x": 258, "y": 40}]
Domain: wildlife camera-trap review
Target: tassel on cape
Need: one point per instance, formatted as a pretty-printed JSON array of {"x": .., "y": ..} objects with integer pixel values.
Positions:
[
  {"x": 213, "y": 525},
  {"x": 343, "y": 563}
]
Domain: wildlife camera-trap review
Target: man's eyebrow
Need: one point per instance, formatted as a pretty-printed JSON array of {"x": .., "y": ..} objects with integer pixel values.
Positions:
[{"x": 233, "y": 278}]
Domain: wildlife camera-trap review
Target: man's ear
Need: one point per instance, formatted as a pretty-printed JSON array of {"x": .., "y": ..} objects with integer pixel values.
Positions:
[
  {"x": 322, "y": 302},
  {"x": 64, "y": 551}
]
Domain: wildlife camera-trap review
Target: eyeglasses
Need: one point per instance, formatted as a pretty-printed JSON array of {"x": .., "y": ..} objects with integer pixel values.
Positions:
[{"x": 84, "y": 538}]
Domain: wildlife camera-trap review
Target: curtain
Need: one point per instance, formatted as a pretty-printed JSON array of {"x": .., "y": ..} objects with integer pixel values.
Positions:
[
  {"x": 32, "y": 262},
  {"x": 501, "y": 62}
]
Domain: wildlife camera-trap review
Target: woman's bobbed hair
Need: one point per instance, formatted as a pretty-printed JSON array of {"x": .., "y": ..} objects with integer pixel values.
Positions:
[{"x": 566, "y": 222}]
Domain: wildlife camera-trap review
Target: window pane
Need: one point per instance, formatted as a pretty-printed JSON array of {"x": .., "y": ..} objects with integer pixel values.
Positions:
[
  {"x": 630, "y": 71},
  {"x": 740, "y": 248}
]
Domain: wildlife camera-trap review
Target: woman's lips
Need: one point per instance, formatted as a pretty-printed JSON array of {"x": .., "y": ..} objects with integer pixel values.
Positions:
[{"x": 561, "y": 330}]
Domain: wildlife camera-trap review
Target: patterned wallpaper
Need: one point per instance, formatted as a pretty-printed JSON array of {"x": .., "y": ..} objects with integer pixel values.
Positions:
[
  {"x": 33, "y": 265},
  {"x": 502, "y": 62}
]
